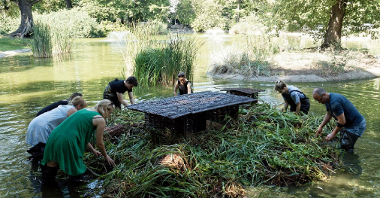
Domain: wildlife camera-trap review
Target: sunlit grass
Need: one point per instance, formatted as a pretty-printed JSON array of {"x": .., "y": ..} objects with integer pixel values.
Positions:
[{"x": 7, "y": 44}]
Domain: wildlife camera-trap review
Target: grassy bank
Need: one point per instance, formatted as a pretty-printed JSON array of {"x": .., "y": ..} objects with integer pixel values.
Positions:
[
  {"x": 262, "y": 146},
  {"x": 7, "y": 44}
]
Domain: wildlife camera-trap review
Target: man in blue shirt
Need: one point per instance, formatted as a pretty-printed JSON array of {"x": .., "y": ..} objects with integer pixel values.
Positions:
[{"x": 350, "y": 122}]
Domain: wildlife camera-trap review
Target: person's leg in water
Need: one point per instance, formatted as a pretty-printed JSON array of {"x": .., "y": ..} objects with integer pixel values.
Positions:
[
  {"x": 49, "y": 173},
  {"x": 350, "y": 135}
]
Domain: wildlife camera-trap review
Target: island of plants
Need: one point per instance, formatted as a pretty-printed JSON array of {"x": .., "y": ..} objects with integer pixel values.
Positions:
[{"x": 263, "y": 146}]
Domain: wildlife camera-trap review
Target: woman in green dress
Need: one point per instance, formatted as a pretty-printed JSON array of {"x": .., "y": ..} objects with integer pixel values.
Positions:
[{"x": 67, "y": 143}]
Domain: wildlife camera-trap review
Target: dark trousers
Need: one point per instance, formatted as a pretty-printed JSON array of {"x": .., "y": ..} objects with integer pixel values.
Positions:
[{"x": 347, "y": 140}]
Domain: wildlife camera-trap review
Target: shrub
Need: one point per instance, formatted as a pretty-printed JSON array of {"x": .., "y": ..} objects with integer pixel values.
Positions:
[
  {"x": 77, "y": 23},
  {"x": 8, "y": 24}
]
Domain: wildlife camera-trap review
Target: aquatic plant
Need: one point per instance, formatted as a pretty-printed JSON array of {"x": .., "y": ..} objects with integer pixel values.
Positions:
[
  {"x": 262, "y": 146},
  {"x": 158, "y": 59},
  {"x": 248, "y": 58},
  {"x": 48, "y": 41},
  {"x": 161, "y": 65},
  {"x": 42, "y": 43}
]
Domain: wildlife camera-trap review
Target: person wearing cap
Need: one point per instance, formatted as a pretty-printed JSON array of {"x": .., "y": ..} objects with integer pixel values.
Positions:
[
  {"x": 116, "y": 88},
  {"x": 56, "y": 104},
  {"x": 183, "y": 85},
  {"x": 350, "y": 123},
  {"x": 293, "y": 97}
]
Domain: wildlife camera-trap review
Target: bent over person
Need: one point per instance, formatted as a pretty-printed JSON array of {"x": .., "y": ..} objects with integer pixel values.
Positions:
[
  {"x": 67, "y": 143},
  {"x": 350, "y": 123},
  {"x": 293, "y": 97},
  {"x": 41, "y": 126},
  {"x": 56, "y": 104},
  {"x": 115, "y": 90}
]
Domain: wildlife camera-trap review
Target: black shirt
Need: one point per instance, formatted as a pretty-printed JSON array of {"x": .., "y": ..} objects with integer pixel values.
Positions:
[{"x": 113, "y": 87}]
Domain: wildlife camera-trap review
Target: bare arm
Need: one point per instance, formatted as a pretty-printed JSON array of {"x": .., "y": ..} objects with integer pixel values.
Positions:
[
  {"x": 100, "y": 124},
  {"x": 341, "y": 121},
  {"x": 298, "y": 107},
  {"x": 286, "y": 106},
  {"x": 189, "y": 88},
  {"x": 175, "y": 89},
  {"x": 121, "y": 100},
  {"x": 71, "y": 111},
  {"x": 89, "y": 147},
  {"x": 326, "y": 120},
  {"x": 130, "y": 94}
]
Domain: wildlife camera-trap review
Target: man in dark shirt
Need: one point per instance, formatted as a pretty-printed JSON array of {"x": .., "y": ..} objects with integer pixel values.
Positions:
[
  {"x": 115, "y": 90},
  {"x": 350, "y": 122},
  {"x": 56, "y": 104}
]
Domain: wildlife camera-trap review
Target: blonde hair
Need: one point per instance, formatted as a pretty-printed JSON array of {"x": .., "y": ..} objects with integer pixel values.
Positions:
[
  {"x": 78, "y": 100},
  {"x": 280, "y": 85},
  {"x": 101, "y": 107}
]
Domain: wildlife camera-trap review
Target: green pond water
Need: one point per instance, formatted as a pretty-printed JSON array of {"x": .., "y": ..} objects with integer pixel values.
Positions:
[{"x": 28, "y": 84}]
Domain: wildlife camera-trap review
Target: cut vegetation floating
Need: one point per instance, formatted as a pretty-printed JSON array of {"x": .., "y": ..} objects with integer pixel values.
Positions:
[{"x": 263, "y": 146}]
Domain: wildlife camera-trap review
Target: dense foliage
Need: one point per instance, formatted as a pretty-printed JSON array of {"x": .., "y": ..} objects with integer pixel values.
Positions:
[
  {"x": 262, "y": 146},
  {"x": 77, "y": 23}
]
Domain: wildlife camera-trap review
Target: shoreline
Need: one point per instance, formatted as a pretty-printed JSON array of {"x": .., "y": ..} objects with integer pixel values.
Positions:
[
  {"x": 14, "y": 52},
  {"x": 292, "y": 71},
  {"x": 306, "y": 66},
  {"x": 352, "y": 75}
]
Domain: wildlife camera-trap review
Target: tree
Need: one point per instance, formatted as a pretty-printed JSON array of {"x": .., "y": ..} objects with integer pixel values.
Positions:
[
  {"x": 26, "y": 24},
  {"x": 337, "y": 17},
  {"x": 69, "y": 5},
  {"x": 185, "y": 12}
]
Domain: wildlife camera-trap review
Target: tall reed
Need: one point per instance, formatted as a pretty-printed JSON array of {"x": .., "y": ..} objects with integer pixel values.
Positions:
[
  {"x": 62, "y": 43},
  {"x": 42, "y": 41},
  {"x": 156, "y": 59},
  {"x": 50, "y": 41}
]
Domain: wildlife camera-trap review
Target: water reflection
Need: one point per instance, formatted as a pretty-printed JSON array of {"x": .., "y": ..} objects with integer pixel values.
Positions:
[{"x": 29, "y": 84}]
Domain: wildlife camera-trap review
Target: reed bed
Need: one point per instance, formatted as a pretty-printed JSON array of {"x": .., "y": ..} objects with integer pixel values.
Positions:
[
  {"x": 157, "y": 59},
  {"x": 42, "y": 42},
  {"x": 50, "y": 41},
  {"x": 262, "y": 146}
]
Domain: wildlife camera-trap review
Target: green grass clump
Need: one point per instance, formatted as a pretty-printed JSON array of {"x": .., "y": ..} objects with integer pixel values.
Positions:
[
  {"x": 262, "y": 146},
  {"x": 157, "y": 59},
  {"x": 50, "y": 41},
  {"x": 161, "y": 65},
  {"x": 7, "y": 44},
  {"x": 42, "y": 42}
]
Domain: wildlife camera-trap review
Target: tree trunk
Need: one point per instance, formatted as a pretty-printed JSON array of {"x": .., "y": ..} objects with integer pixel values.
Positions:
[
  {"x": 69, "y": 5},
  {"x": 334, "y": 30},
  {"x": 26, "y": 24}
]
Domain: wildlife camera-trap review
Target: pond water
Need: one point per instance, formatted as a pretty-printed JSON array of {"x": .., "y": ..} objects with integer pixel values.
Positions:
[{"x": 28, "y": 84}]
